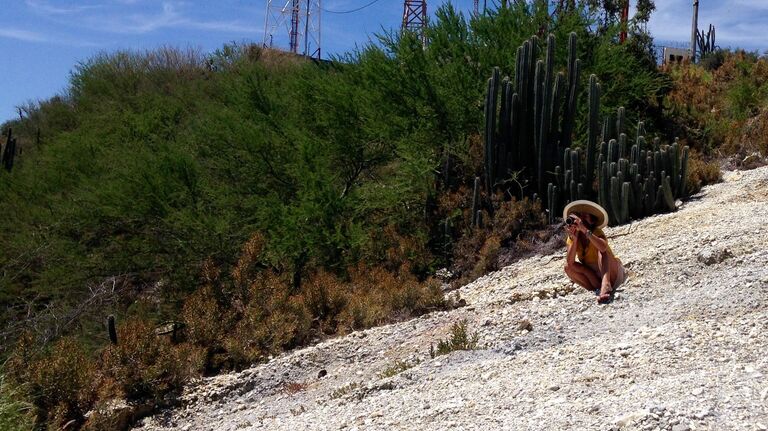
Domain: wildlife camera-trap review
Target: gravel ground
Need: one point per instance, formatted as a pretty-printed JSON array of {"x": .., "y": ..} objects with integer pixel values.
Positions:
[{"x": 683, "y": 346}]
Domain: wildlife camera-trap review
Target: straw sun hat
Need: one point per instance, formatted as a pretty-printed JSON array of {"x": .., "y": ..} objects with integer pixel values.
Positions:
[{"x": 584, "y": 206}]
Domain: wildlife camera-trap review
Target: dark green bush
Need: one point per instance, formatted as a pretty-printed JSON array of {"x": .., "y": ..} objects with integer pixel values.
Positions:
[{"x": 713, "y": 60}]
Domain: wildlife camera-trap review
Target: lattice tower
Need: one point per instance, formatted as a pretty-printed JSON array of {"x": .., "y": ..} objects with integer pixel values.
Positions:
[
  {"x": 296, "y": 22},
  {"x": 415, "y": 17}
]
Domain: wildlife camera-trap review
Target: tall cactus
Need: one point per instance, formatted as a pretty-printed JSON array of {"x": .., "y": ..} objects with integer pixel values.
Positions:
[
  {"x": 615, "y": 208},
  {"x": 538, "y": 120},
  {"x": 625, "y": 195},
  {"x": 674, "y": 164},
  {"x": 682, "y": 184},
  {"x": 603, "y": 185},
  {"x": 554, "y": 135},
  {"x": 620, "y": 120},
  {"x": 547, "y": 92},
  {"x": 515, "y": 151},
  {"x": 592, "y": 127},
  {"x": 502, "y": 146},
  {"x": 552, "y": 199},
  {"x": 574, "y": 71},
  {"x": 491, "y": 104},
  {"x": 706, "y": 43},
  {"x": 669, "y": 199}
]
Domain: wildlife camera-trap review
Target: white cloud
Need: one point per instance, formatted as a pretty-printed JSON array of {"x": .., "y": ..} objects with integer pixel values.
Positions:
[
  {"x": 36, "y": 37},
  {"x": 23, "y": 35},
  {"x": 116, "y": 19},
  {"x": 47, "y": 8},
  {"x": 169, "y": 17}
]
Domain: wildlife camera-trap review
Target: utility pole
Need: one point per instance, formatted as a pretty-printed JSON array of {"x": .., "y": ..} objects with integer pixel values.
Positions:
[
  {"x": 299, "y": 20},
  {"x": 415, "y": 18},
  {"x": 694, "y": 28}
]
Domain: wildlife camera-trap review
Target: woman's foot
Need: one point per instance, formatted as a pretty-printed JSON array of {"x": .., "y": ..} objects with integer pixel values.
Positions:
[{"x": 604, "y": 296}]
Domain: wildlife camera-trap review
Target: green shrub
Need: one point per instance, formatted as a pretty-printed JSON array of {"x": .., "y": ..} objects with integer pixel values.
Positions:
[
  {"x": 720, "y": 110},
  {"x": 460, "y": 339},
  {"x": 701, "y": 172},
  {"x": 742, "y": 99},
  {"x": 398, "y": 367},
  {"x": 15, "y": 413},
  {"x": 344, "y": 390},
  {"x": 713, "y": 60}
]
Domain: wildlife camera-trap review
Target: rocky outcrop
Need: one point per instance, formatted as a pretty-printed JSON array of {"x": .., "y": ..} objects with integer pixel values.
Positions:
[{"x": 682, "y": 346}]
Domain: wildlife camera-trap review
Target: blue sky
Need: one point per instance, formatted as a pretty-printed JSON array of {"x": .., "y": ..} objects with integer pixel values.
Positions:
[{"x": 42, "y": 40}]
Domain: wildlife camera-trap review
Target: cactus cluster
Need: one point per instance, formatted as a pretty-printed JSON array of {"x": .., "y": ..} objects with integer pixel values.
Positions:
[
  {"x": 9, "y": 152},
  {"x": 632, "y": 182},
  {"x": 706, "y": 43},
  {"x": 534, "y": 130},
  {"x": 642, "y": 181},
  {"x": 536, "y": 114}
]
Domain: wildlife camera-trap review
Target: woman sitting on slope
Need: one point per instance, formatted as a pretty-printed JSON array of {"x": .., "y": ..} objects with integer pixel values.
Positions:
[{"x": 597, "y": 268}]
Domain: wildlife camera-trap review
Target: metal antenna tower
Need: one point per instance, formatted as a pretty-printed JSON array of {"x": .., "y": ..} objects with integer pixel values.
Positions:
[
  {"x": 415, "y": 17},
  {"x": 296, "y": 20},
  {"x": 476, "y": 8}
]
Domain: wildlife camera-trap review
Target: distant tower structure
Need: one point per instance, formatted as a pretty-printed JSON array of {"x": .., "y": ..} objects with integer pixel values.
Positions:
[
  {"x": 296, "y": 22},
  {"x": 476, "y": 8},
  {"x": 624, "y": 22},
  {"x": 694, "y": 29},
  {"x": 415, "y": 17}
]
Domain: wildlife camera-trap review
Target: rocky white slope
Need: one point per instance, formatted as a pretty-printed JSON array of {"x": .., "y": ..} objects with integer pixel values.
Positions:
[{"x": 683, "y": 346}]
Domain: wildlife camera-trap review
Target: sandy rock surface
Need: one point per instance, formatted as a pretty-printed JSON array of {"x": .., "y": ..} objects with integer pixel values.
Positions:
[{"x": 684, "y": 345}]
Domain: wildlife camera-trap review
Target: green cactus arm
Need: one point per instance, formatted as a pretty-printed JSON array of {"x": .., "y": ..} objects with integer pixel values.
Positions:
[
  {"x": 625, "y": 196},
  {"x": 669, "y": 198},
  {"x": 615, "y": 212},
  {"x": 682, "y": 186}
]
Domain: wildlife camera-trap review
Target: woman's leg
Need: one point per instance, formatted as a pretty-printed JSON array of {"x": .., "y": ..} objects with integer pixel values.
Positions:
[
  {"x": 583, "y": 275},
  {"x": 609, "y": 271}
]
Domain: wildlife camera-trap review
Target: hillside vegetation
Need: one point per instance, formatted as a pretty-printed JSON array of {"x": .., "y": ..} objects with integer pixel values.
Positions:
[
  {"x": 253, "y": 201},
  {"x": 721, "y": 105}
]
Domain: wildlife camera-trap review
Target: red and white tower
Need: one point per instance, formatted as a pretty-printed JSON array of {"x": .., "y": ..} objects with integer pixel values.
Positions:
[
  {"x": 624, "y": 22},
  {"x": 295, "y": 23}
]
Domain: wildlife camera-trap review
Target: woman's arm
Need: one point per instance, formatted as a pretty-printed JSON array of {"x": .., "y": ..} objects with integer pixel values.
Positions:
[
  {"x": 570, "y": 256},
  {"x": 601, "y": 244}
]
